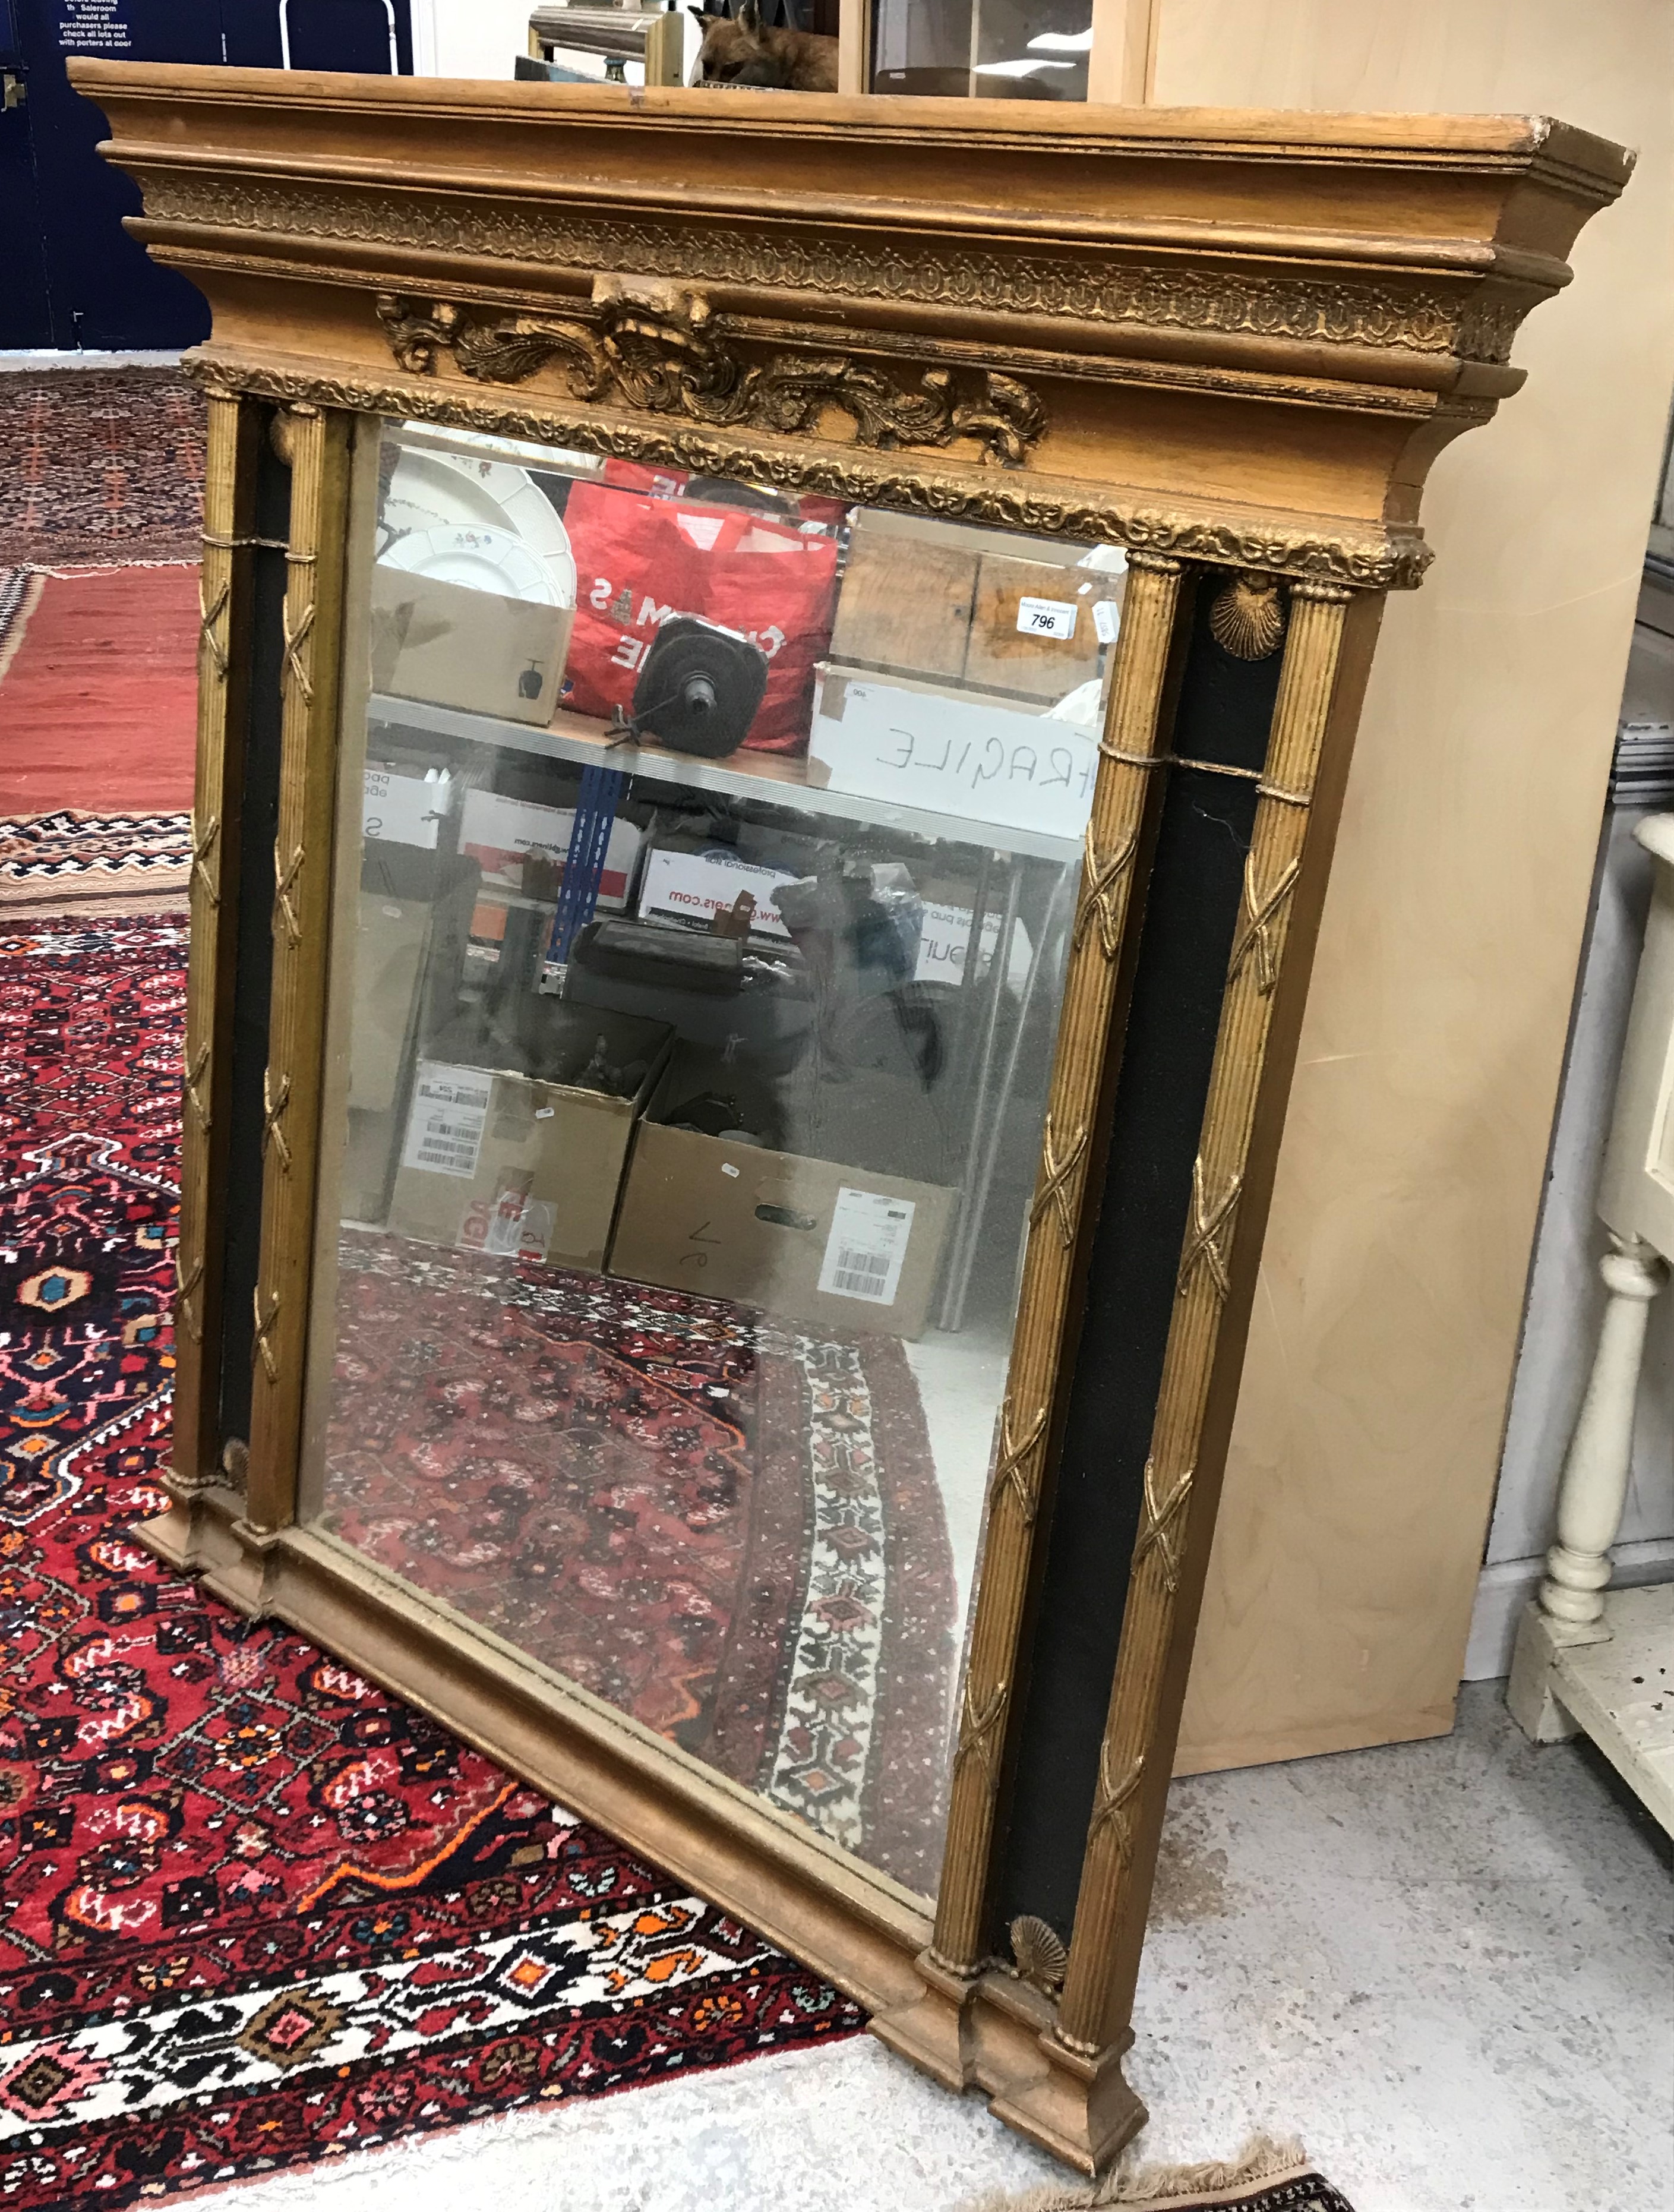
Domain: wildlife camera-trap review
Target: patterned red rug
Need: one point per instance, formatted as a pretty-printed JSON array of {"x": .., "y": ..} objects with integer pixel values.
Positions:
[
  {"x": 254, "y": 1912},
  {"x": 723, "y": 1527},
  {"x": 99, "y": 465}
]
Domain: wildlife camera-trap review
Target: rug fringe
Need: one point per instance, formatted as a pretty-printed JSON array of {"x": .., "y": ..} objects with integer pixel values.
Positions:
[{"x": 1264, "y": 2162}]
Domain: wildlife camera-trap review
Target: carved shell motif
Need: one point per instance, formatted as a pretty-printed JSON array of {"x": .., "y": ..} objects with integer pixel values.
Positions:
[
  {"x": 1040, "y": 1953},
  {"x": 1247, "y": 619}
]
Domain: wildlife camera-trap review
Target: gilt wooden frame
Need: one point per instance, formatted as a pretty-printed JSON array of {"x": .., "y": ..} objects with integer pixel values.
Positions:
[{"x": 1231, "y": 343}]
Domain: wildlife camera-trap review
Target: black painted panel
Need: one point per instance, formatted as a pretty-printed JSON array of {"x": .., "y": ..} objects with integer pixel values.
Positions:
[
  {"x": 1224, "y": 711},
  {"x": 258, "y": 829}
]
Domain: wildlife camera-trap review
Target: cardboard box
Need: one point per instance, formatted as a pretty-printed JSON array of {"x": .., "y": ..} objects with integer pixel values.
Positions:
[
  {"x": 980, "y": 610},
  {"x": 499, "y": 833},
  {"x": 960, "y": 754},
  {"x": 409, "y": 952},
  {"x": 458, "y": 648},
  {"x": 497, "y": 1162},
  {"x": 809, "y": 1240},
  {"x": 692, "y": 888}
]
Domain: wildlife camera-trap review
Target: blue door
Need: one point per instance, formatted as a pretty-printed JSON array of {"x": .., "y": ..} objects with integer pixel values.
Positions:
[
  {"x": 24, "y": 317},
  {"x": 71, "y": 275}
]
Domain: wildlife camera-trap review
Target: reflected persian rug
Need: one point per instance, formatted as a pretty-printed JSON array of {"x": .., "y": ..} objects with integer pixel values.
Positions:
[
  {"x": 253, "y": 1913},
  {"x": 727, "y": 1528}
]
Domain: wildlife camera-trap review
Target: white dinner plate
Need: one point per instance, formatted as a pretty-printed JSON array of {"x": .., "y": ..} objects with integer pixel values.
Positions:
[
  {"x": 481, "y": 559},
  {"x": 431, "y": 490}
]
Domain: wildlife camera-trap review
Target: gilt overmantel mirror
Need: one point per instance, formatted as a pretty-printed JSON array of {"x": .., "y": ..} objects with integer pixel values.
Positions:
[{"x": 777, "y": 677}]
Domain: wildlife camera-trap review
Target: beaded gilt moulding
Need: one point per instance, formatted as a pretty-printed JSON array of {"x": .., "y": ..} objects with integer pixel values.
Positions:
[{"x": 777, "y": 674}]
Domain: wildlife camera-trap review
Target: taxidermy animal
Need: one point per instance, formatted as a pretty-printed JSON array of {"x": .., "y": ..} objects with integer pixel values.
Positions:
[{"x": 739, "y": 49}]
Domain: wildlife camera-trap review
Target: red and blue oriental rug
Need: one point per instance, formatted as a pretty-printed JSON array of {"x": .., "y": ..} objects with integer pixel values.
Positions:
[{"x": 255, "y": 1913}]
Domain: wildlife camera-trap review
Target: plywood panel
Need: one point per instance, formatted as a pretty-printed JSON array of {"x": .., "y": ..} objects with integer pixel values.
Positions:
[{"x": 1386, "y": 1328}]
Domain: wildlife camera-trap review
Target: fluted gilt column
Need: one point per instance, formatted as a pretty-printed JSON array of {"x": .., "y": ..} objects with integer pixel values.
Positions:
[
  {"x": 315, "y": 443},
  {"x": 223, "y": 667},
  {"x": 930, "y": 2033},
  {"x": 1110, "y": 1906}
]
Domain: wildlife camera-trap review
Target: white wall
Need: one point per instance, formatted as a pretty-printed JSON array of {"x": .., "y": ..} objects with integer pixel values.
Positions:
[{"x": 468, "y": 38}]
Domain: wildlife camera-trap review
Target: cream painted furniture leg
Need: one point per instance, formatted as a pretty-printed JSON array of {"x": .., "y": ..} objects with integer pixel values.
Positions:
[
  {"x": 1587, "y": 1657},
  {"x": 1595, "y": 1475},
  {"x": 1570, "y": 1607}
]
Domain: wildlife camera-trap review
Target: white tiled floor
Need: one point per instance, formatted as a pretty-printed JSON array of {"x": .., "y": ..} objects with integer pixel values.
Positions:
[{"x": 1445, "y": 1965}]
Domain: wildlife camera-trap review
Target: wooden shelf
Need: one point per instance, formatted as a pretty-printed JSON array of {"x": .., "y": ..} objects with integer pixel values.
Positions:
[{"x": 770, "y": 779}]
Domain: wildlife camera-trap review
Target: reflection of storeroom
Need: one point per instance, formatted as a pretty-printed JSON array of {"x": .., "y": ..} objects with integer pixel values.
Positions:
[{"x": 750, "y": 1002}]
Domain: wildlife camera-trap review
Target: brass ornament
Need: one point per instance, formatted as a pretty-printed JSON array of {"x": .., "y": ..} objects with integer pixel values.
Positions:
[
  {"x": 1015, "y": 1469},
  {"x": 274, "y": 1100},
  {"x": 1110, "y": 1801},
  {"x": 209, "y": 612},
  {"x": 185, "y": 1286},
  {"x": 1055, "y": 1171},
  {"x": 285, "y": 874},
  {"x": 1261, "y": 911},
  {"x": 195, "y": 1071},
  {"x": 667, "y": 353},
  {"x": 1157, "y": 1533},
  {"x": 296, "y": 669},
  {"x": 1042, "y": 1955},
  {"x": 203, "y": 844},
  {"x": 977, "y": 1723},
  {"x": 1102, "y": 876},
  {"x": 1246, "y": 617},
  {"x": 1209, "y": 1222},
  {"x": 265, "y": 1324}
]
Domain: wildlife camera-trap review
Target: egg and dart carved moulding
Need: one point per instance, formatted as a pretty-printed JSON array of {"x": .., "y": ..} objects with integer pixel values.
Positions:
[{"x": 1229, "y": 343}]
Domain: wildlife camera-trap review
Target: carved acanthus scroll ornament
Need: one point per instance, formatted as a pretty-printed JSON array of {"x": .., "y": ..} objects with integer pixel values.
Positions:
[{"x": 667, "y": 353}]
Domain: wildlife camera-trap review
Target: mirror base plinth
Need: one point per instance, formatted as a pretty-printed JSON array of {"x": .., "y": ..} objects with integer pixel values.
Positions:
[
  {"x": 1078, "y": 2107},
  {"x": 194, "y": 1536},
  {"x": 935, "y": 2031},
  {"x": 989, "y": 2030}
]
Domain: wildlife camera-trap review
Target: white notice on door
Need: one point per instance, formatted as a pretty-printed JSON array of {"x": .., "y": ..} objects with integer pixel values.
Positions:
[
  {"x": 867, "y": 1247},
  {"x": 1046, "y": 618},
  {"x": 450, "y": 1112}
]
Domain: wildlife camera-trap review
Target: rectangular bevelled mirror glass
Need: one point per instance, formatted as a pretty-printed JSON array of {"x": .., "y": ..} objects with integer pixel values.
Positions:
[{"x": 706, "y": 871}]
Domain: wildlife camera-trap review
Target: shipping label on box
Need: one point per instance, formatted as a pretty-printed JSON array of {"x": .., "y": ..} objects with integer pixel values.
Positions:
[
  {"x": 807, "y": 1239},
  {"x": 505, "y": 1164},
  {"x": 952, "y": 753},
  {"x": 866, "y": 1248},
  {"x": 449, "y": 1114},
  {"x": 692, "y": 888},
  {"x": 500, "y": 833}
]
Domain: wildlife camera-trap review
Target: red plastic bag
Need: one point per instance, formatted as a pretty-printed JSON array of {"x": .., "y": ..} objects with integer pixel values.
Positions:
[
  {"x": 639, "y": 562},
  {"x": 670, "y": 483},
  {"x": 636, "y": 476}
]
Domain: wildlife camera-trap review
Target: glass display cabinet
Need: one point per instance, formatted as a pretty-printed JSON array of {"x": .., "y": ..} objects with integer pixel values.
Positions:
[{"x": 777, "y": 680}]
